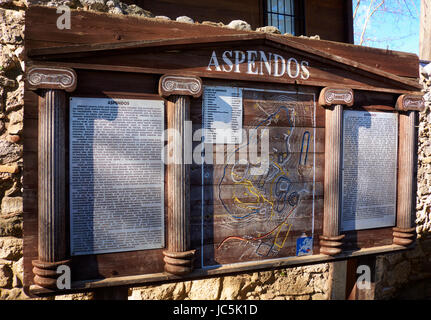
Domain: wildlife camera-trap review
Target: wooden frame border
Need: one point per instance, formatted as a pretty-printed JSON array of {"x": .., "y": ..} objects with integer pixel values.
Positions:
[
  {"x": 178, "y": 257},
  {"x": 158, "y": 278},
  {"x": 333, "y": 100},
  {"x": 52, "y": 172},
  {"x": 408, "y": 105}
]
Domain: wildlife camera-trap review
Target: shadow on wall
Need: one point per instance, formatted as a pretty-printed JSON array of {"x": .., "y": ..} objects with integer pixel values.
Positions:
[{"x": 405, "y": 275}]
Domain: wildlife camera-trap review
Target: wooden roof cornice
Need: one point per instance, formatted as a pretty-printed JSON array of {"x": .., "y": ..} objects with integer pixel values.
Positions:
[{"x": 395, "y": 68}]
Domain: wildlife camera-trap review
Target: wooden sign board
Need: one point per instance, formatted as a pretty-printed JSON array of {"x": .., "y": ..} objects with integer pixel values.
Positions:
[{"x": 186, "y": 158}]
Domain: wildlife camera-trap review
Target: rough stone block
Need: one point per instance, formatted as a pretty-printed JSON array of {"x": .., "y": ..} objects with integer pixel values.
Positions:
[
  {"x": 5, "y": 274},
  {"x": 11, "y": 248},
  {"x": 11, "y": 226},
  {"x": 206, "y": 289},
  {"x": 185, "y": 19},
  {"x": 232, "y": 287},
  {"x": 11, "y": 205},
  {"x": 239, "y": 25},
  {"x": 12, "y": 294},
  {"x": 18, "y": 273},
  {"x": 9, "y": 152},
  {"x": 12, "y": 168},
  {"x": 269, "y": 29}
]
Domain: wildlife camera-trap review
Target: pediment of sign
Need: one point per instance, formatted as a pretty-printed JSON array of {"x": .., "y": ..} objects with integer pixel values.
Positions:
[{"x": 164, "y": 47}]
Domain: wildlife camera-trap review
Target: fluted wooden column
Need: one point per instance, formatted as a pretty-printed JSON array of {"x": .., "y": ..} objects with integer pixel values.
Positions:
[
  {"x": 333, "y": 100},
  {"x": 178, "y": 257},
  {"x": 51, "y": 171},
  {"x": 404, "y": 232}
]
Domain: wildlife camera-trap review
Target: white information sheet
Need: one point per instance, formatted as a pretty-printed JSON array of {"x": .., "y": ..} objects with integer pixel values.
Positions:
[
  {"x": 116, "y": 175},
  {"x": 222, "y": 115},
  {"x": 369, "y": 176}
]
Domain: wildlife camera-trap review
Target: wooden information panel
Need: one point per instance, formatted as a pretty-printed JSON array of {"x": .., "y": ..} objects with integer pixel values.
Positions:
[
  {"x": 369, "y": 176},
  {"x": 116, "y": 175},
  {"x": 164, "y": 154},
  {"x": 261, "y": 195}
]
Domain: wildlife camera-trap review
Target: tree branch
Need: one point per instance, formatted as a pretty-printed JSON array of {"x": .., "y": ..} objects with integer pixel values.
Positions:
[
  {"x": 358, "y": 2},
  {"x": 368, "y": 18}
]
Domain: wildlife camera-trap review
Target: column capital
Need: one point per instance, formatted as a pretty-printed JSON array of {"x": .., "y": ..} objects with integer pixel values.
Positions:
[
  {"x": 180, "y": 85},
  {"x": 331, "y": 96},
  {"x": 410, "y": 102},
  {"x": 41, "y": 77}
]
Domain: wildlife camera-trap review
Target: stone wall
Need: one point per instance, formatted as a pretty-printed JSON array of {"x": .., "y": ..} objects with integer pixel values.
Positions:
[
  {"x": 301, "y": 283},
  {"x": 394, "y": 272},
  {"x": 11, "y": 125},
  {"x": 407, "y": 275}
]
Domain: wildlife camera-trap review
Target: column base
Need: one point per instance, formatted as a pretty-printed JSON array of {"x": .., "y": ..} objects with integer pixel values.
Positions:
[
  {"x": 45, "y": 273},
  {"x": 404, "y": 236},
  {"x": 331, "y": 245},
  {"x": 179, "y": 263}
]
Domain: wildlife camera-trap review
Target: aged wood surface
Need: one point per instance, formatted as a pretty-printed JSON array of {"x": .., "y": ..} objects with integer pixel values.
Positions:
[
  {"x": 208, "y": 10},
  {"x": 134, "y": 264},
  {"x": 52, "y": 220},
  {"x": 330, "y": 242},
  {"x": 125, "y": 57},
  {"x": 180, "y": 85},
  {"x": 182, "y": 35},
  {"x": 404, "y": 232},
  {"x": 247, "y": 216},
  {"x": 51, "y": 188},
  {"x": 210, "y": 174},
  {"x": 410, "y": 102},
  {"x": 336, "y": 96},
  {"x": 354, "y": 240},
  {"x": 322, "y": 68},
  {"x": 39, "y": 77},
  {"x": 83, "y": 267},
  {"x": 178, "y": 256},
  {"x": 335, "y": 13},
  {"x": 41, "y": 32},
  {"x": 226, "y": 269}
]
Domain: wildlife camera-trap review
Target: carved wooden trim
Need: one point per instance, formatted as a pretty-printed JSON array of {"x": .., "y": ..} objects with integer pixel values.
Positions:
[
  {"x": 330, "y": 241},
  {"x": 45, "y": 273},
  {"x": 333, "y": 96},
  {"x": 179, "y": 263},
  {"x": 180, "y": 85},
  {"x": 51, "y": 187},
  {"x": 51, "y": 78},
  {"x": 404, "y": 232},
  {"x": 404, "y": 236},
  {"x": 331, "y": 245},
  {"x": 178, "y": 258},
  {"x": 334, "y": 99},
  {"x": 410, "y": 102}
]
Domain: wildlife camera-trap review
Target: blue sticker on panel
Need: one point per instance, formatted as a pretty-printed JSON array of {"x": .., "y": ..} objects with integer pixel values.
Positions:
[{"x": 304, "y": 246}]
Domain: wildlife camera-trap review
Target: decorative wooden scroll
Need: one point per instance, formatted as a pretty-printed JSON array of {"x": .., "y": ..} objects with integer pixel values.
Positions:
[
  {"x": 178, "y": 257},
  {"x": 404, "y": 232},
  {"x": 410, "y": 102},
  {"x": 51, "y": 169},
  {"x": 333, "y": 99},
  {"x": 335, "y": 96},
  {"x": 51, "y": 78},
  {"x": 180, "y": 85}
]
